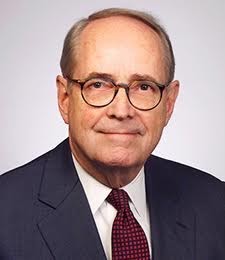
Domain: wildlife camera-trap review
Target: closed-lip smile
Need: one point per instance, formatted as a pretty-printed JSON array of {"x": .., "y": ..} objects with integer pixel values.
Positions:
[{"x": 119, "y": 132}]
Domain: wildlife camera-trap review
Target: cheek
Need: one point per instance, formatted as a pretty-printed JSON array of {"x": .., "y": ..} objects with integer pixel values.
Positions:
[
  {"x": 79, "y": 120},
  {"x": 154, "y": 125},
  {"x": 82, "y": 117}
]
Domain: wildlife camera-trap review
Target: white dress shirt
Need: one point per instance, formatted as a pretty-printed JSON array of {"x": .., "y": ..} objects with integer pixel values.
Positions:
[{"x": 104, "y": 213}]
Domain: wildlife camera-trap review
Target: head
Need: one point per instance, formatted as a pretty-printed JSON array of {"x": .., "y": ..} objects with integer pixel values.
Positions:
[{"x": 126, "y": 46}]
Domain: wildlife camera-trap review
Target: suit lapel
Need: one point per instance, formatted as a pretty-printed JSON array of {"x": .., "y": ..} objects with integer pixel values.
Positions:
[
  {"x": 69, "y": 229},
  {"x": 172, "y": 224}
]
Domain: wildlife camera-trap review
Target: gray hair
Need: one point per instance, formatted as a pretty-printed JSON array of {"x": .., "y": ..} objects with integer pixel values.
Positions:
[{"x": 71, "y": 42}]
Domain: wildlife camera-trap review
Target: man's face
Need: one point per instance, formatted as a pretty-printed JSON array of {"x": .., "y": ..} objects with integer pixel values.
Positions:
[{"x": 118, "y": 134}]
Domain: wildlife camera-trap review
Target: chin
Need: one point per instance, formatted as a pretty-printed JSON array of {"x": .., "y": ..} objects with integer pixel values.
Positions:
[{"x": 118, "y": 159}]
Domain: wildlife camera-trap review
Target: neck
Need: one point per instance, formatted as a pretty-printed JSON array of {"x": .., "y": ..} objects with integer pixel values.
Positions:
[{"x": 113, "y": 177}]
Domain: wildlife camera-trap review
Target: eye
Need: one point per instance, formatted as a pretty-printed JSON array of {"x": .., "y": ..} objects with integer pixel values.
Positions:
[
  {"x": 145, "y": 87},
  {"x": 94, "y": 84},
  {"x": 97, "y": 84}
]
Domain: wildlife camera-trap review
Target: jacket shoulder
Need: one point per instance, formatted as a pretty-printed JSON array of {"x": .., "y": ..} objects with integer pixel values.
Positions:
[
  {"x": 180, "y": 171},
  {"x": 27, "y": 176},
  {"x": 193, "y": 185}
]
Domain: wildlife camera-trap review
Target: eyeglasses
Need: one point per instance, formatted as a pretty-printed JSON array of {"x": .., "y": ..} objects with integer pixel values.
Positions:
[{"x": 100, "y": 92}]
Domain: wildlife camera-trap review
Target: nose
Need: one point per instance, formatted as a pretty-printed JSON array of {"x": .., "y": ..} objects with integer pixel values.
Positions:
[{"x": 120, "y": 108}]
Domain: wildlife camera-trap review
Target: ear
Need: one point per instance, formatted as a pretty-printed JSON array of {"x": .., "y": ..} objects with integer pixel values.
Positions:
[
  {"x": 171, "y": 96},
  {"x": 63, "y": 97}
]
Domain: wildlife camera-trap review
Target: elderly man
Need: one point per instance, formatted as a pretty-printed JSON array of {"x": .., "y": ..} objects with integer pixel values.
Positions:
[{"x": 100, "y": 194}]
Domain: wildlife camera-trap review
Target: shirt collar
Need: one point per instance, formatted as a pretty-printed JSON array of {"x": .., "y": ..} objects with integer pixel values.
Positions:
[
  {"x": 97, "y": 192},
  {"x": 137, "y": 194}
]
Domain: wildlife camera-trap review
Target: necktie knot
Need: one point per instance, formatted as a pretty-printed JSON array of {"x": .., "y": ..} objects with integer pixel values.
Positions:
[{"x": 118, "y": 199}]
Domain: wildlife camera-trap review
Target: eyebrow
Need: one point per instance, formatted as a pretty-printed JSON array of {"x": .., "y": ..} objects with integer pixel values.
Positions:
[
  {"x": 137, "y": 76},
  {"x": 100, "y": 75},
  {"x": 133, "y": 77}
]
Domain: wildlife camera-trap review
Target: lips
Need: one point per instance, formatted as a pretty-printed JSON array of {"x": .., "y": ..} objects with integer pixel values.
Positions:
[
  {"x": 127, "y": 128},
  {"x": 119, "y": 132},
  {"x": 113, "y": 131}
]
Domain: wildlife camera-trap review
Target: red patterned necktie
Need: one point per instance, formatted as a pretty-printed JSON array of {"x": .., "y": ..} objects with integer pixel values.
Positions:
[{"x": 128, "y": 238}]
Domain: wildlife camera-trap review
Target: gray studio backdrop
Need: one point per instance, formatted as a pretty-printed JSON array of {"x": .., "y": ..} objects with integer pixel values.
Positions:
[{"x": 31, "y": 38}]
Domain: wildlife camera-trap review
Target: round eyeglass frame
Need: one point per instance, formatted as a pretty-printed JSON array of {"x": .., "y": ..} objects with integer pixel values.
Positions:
[{"x": 126, "y": 87}]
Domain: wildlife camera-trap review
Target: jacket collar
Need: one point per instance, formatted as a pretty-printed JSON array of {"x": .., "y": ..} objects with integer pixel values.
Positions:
[
  {"x": 69, "y": 229},
  {"x": 172, "y": 225}
]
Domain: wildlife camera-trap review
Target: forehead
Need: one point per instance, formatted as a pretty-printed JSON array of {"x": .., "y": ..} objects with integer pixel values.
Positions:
[{"x": 120, "y": 44}]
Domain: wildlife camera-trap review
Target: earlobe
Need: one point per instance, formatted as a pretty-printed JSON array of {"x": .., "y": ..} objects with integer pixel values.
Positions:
[
  {"x": 172, "y": 93},
  {"x": 63, "y": 97}
]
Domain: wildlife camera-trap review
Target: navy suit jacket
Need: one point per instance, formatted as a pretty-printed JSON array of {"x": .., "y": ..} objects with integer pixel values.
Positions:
[{"x": 45, "y": 214}]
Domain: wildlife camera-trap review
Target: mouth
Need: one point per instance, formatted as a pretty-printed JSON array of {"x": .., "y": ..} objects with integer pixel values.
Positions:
[
  {"x": 118, "y": 133},
  {"x": 118, "y": 130}
]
